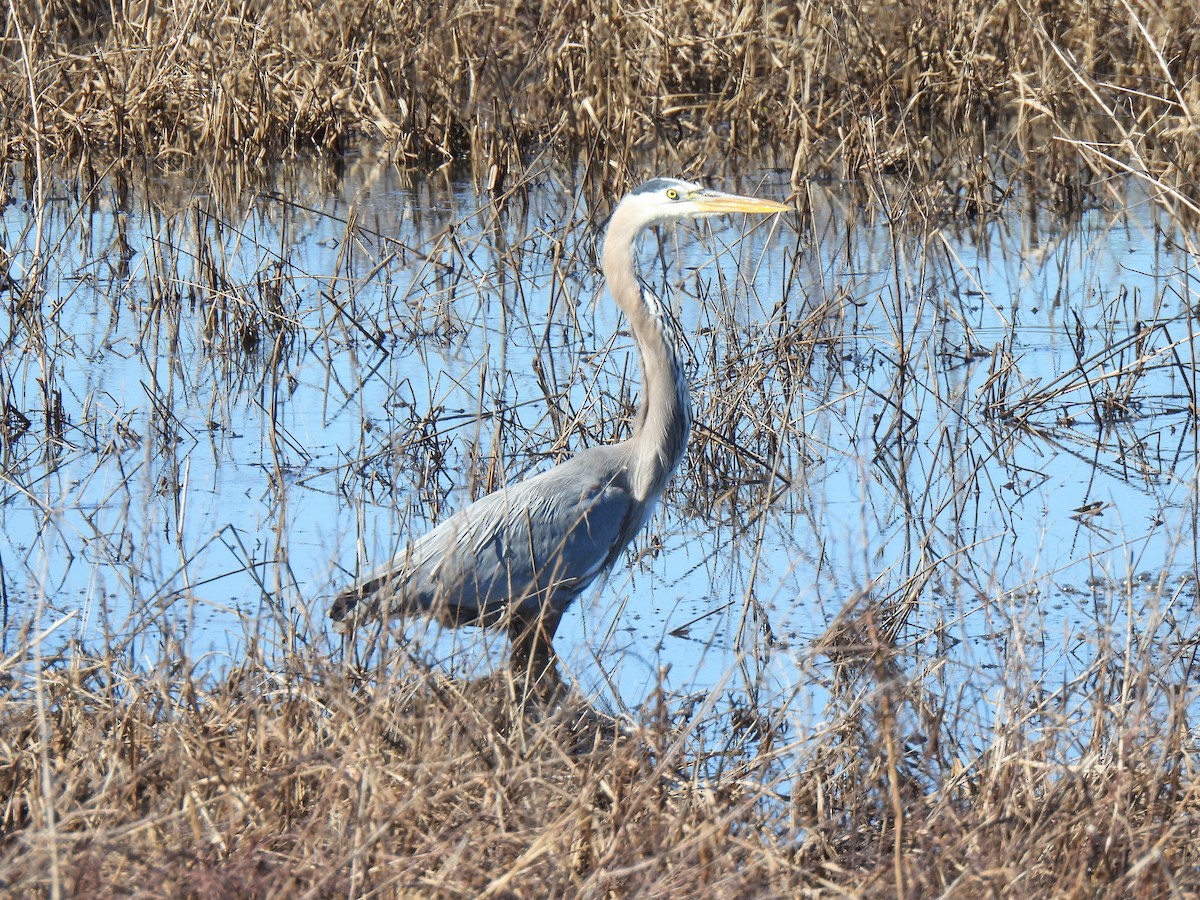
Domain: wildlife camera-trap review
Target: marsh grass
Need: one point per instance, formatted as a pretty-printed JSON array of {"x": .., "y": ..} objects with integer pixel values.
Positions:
[
  {"x": 963, "y": 101},
  {"x": 293, "y": 775}
]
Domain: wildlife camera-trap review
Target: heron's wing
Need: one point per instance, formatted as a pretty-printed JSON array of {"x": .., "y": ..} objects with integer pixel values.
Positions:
[{"x": 541, "y": 541}]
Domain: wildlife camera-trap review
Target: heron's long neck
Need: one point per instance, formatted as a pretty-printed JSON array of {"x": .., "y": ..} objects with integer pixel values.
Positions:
[{"x": 664, "y": 417}]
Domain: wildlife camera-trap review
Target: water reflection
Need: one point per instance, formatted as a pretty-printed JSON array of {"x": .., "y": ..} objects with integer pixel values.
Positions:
[{"x": 216, "y": 409}]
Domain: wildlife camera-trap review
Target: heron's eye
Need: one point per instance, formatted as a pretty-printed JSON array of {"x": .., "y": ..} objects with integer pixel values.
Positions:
[{"x": 672, "y": 194}]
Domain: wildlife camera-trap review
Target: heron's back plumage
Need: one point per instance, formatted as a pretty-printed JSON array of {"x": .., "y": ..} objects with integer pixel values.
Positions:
[{"x": 525, "y": 550}]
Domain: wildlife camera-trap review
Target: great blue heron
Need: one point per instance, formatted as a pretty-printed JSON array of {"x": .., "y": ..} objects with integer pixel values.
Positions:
[{"x": 521, "y": 555}]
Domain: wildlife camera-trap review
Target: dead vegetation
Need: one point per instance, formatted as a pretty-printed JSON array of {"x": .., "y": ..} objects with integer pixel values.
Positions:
[
  {"x": 295, "y": 776},
  {"x": 963, "y": 99}
]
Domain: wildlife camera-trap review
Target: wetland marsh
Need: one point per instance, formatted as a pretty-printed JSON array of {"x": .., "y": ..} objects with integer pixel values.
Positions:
[
  {"x": 286, "y": 286},
  {"x": 975, "y": 446},
  {"x": 247, "y": 405}
]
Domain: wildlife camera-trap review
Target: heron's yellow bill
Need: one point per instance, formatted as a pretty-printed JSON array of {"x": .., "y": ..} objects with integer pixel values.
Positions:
[{"x": 716, "y": 202}]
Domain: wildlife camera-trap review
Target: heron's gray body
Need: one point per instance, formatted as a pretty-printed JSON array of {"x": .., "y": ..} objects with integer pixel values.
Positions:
[
  {"x": 521, "y": 555},
  {"x": 526, "y": 550},
  {"x": 529, "y": 549}
]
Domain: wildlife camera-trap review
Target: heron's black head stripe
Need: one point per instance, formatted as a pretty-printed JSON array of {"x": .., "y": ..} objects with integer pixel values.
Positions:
[{"x": 658, "y": 184}]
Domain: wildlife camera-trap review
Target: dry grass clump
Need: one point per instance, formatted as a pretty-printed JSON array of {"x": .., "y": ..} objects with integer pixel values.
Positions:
[
  {"x": 298, "y": 777},
  {"x": 956, "y": 95},
  {"x": 277, "y": 781}
]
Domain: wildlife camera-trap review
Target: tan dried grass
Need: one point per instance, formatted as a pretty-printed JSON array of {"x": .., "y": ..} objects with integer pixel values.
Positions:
[
  {"x": 300, "y": 777},
  {"x": 955, "y": 95}
]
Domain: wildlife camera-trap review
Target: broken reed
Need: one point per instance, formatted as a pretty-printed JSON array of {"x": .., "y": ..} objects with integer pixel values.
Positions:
[
  {"x": 956, "y": 94},
  {"x": 294, "y": 773}
]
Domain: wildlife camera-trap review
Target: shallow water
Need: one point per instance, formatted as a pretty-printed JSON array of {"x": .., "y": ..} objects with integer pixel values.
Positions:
[{"x": 219, "y": 410}]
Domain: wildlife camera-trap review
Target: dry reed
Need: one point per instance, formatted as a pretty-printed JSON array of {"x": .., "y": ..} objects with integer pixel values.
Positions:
[
  {"x": 959, "y": 97},
  {"x": 292, "y": 776}
]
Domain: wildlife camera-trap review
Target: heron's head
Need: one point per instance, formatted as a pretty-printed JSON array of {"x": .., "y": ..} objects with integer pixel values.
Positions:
[{"x": 670, "y": 199}]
